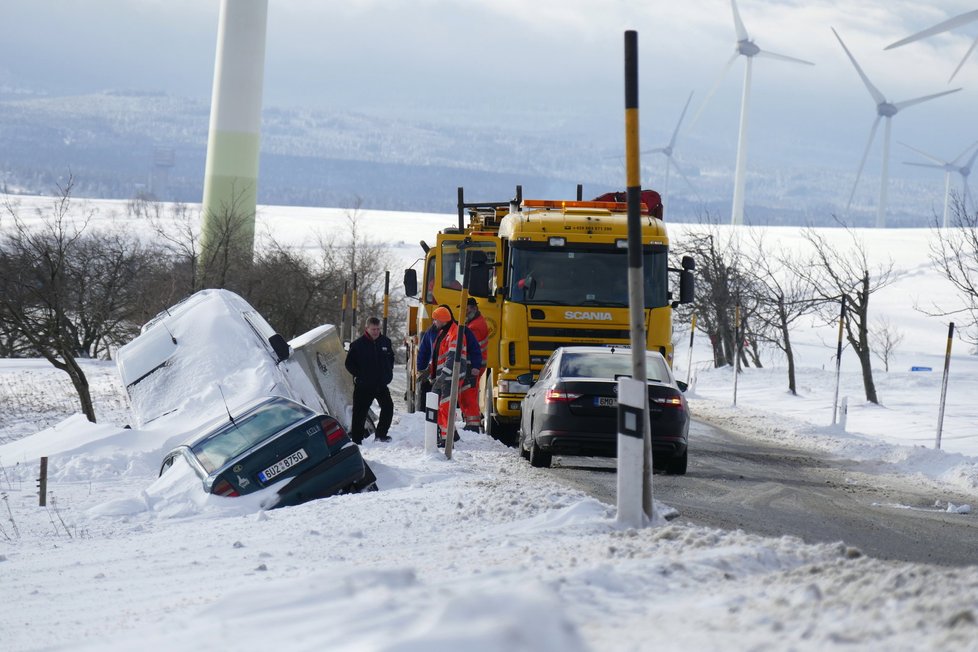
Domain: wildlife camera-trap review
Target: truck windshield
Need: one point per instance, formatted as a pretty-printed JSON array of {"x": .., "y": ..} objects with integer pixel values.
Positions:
[{"x": 593, "y": 276}]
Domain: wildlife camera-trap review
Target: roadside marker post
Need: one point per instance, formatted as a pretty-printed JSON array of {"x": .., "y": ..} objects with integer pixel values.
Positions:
[
  {"x": 430, "y": 422},
  {"x": 947, "y": 367},
  {"x": 387, "y": 299},
  {"x": 636, "y": 277},
  {"x": 738, "y": 337},
  {"x": 632, "y": 422},
  {"x": 838, "y": 360},
  {"x": 689, "y": 362}
]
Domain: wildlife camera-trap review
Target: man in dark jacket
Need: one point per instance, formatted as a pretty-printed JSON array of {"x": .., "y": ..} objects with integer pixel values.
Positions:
[{"x": 371, "y": 361}]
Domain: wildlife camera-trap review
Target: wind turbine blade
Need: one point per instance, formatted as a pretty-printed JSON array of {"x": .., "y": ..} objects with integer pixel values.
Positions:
[
  {"x": 902, "y": 105},
  {"x": 948, "y": 24},
  {"x": 675, "y": 132},
  {"x": 685, "y": 178},
  {"x": 716, "y": 85},
  {"x": 965, "y": 152},
  {"x": 971, "y": 161},
  {"x": 924, "y": 165},
  {"x": 862, "y": 163},
  {"x": 877, "y": 96},
  {"x": 922, "y": 153},
  {"x": 966, "y": 55},
  {"x": 738, "y": 23},
  {"x": 780, "y": 57}
]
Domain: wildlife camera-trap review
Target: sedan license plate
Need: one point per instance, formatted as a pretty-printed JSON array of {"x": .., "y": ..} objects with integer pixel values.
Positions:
[
  {"x": 605, "y": 401},
  {"x": 283, "y": 465}
]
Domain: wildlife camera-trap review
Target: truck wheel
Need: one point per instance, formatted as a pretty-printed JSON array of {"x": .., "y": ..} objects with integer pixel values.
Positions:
[{"x": 504, "y": 433}]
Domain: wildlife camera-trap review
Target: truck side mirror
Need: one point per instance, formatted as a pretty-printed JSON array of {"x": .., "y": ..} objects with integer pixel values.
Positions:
[
  {"x": 479, "y": 274},
  {"x": 687, "y": 286},
  {"x": 411, "y": 282},
  {"x": 280, "y": 346}
]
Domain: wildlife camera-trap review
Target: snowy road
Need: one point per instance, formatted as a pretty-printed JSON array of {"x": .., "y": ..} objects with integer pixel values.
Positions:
[{"x": 736, "y": 483}]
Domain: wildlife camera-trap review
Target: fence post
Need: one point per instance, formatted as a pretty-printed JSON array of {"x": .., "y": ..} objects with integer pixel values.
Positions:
[{"x": 42, "y": 483}]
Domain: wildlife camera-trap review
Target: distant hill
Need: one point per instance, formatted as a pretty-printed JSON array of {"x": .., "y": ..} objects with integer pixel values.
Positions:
[{"x": 109, "y": 142}]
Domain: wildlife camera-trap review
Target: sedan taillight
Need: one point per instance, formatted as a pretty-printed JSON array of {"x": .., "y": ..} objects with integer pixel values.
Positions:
[
  {"x": 560, "y": 396},
  {"x": 334, "y": 431},
  {"x": 668, "y": 401},
  {"x": 224, "y": 488}
]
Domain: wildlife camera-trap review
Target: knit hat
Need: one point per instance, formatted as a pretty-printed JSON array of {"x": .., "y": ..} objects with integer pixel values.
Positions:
[
  {"x": 472, "y": 302},
  {"x": 442, "y": 314}
]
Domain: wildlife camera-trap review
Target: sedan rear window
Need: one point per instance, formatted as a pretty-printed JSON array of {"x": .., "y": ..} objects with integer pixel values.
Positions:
[
  {"x": 247, "y": 430},
  {"x": 609, "y": 365}
]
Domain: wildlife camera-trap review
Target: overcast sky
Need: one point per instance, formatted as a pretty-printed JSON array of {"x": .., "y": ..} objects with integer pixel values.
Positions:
[{"x": 502, "y": 58}]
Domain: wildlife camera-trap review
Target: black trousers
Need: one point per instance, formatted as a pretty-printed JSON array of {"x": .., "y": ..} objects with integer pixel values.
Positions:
[{"x": 362, "y": 398}]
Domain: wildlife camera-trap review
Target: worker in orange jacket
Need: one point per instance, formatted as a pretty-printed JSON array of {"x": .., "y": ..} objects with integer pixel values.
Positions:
[
  {"x": 468, "y": 400},
  {"x": 443, "y": 360}
]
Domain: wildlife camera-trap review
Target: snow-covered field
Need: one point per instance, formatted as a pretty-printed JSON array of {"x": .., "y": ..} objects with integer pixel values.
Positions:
[{"x": 482, "y": 552}]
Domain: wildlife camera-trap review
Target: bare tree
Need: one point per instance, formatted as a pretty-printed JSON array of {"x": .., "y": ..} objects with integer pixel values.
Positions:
[
  {"x": 720, "y": 286},
  {"x": 846, "y": 275},
  {"x": 67, "y": 293},
  {"x": 783, "y": 297},
  {"x": 885, "y": 338},
  {"x": 955, "y": 253},
  {"x": 34, "y": 293}
]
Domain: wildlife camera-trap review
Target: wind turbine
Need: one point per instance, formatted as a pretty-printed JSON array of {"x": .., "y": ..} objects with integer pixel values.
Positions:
[
  {"x": 747, "y": 48},
  {"x": 949, "y": 167},
  {"x": 668, "y": 151},
  {"x": 947, "y": 25},
  {"x": 884, "y": 109}
]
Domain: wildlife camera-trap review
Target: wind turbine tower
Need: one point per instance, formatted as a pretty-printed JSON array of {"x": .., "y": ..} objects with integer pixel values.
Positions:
[
  {"x": 231, "y": 170},
  {"x": 884, "y": 109},
  {"x": 949, "y": 167},
  {"x": 748, "y": 49},
  {"x": 946, "y": 26}
]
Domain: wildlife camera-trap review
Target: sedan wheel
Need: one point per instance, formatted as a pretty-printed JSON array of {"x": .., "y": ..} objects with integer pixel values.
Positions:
[
  {"x": 521, "y": 444},
  {"x": 539, "y": 458},
  {"x": 677, "y": 465}
]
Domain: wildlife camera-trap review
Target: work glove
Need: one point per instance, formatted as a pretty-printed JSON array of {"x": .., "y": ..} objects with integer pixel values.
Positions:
[{"x": 442, "y": 382}]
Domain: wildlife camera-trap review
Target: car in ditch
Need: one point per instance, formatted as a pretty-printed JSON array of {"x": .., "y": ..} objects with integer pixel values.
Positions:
[
  {"x": 212, "y": 380},
  {"x": 572, "y": 408},
  {"x": 274, "y": 441}
]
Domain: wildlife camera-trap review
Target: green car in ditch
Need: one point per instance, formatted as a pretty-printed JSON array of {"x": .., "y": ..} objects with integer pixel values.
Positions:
[{"x": 275, "y": 441}]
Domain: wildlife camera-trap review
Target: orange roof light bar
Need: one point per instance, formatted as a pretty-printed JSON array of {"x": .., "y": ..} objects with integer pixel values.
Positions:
[{"x": 613, "y": 206}]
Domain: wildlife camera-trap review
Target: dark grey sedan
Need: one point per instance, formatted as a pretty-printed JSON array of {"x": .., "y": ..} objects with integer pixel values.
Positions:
[
  {"x": 572, "y": 409},
  {"x": 271, "y": 440}
]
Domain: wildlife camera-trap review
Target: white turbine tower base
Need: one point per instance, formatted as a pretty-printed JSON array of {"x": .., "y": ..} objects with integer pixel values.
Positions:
[
  {"x": 747, "y": 48},
  {"x": 946, "y": 26},
  {"x": 884, "y": 110}
]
